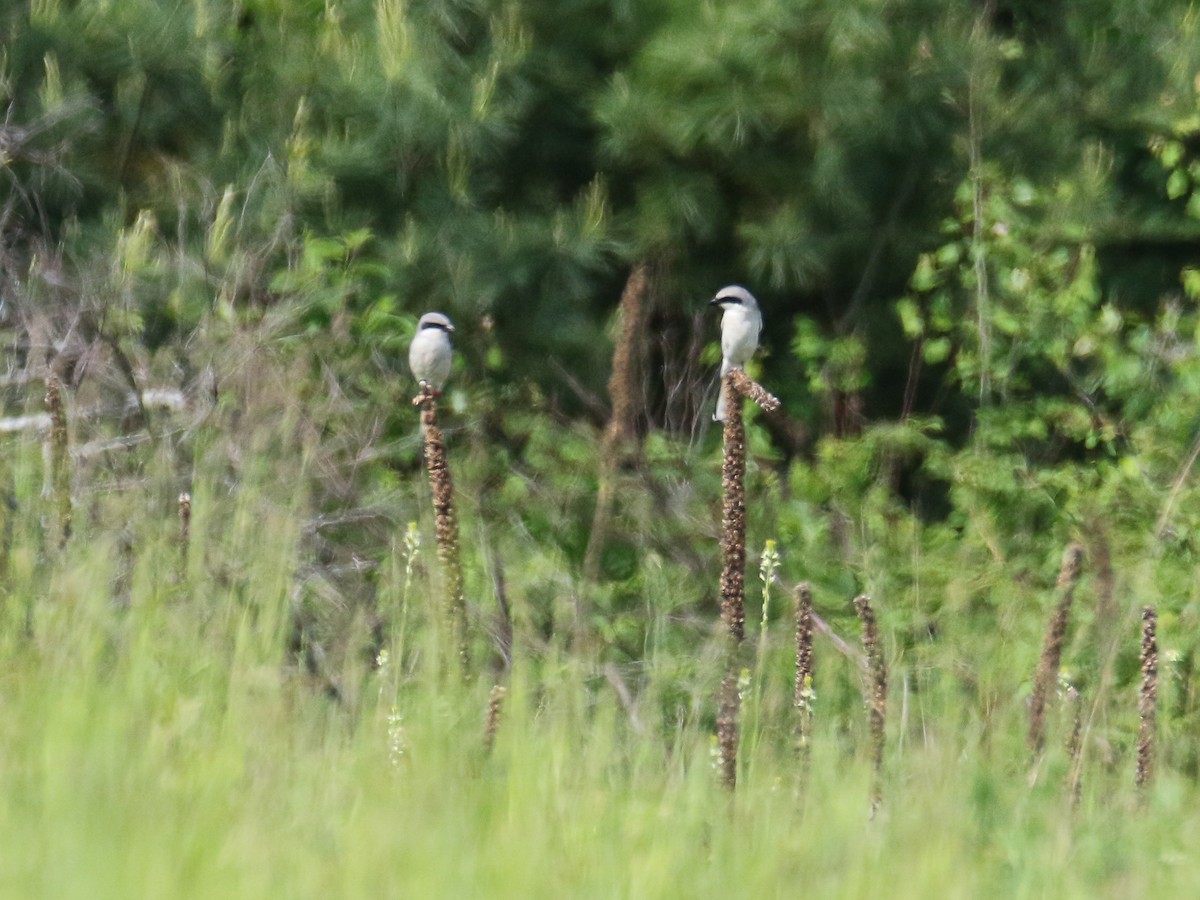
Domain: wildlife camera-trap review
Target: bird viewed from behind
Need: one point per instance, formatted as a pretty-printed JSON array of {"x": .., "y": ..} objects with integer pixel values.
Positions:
[
  {"x": 430, "y": 355},
  {"x": 740, "y": 325}
]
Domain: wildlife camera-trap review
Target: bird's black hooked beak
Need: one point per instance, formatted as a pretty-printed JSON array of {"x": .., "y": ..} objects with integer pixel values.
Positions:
[{"x": 716, "y": 301}]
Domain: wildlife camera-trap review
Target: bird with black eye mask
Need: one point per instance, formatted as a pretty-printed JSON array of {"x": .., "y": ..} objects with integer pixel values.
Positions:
[
  {"x": 740, "y": 324},
  {"x": 430, "y": 355}
]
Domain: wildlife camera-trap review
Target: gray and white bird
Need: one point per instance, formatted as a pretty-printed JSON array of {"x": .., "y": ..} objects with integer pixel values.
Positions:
[
  {"x": 430, "y": 354},
  {"x": 740, "y": 324}
]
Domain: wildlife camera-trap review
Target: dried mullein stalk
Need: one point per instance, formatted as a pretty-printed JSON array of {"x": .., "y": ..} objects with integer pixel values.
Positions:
[
  {"x": 446, "y": 524},
  {"x": 752, "y": 390},
  {"x": 1047, "y": 669},
  {"x": 804, "y": 694},
  {"x": 185, "y": 523},
  {"x": 1148, "y": 699},
  {"x": 728, "y": 705},
  {"x": 733, "y": 516},
  {"x": 877, "y": 701},
  {"x": 492, "y": 723},
  {"x": 733, "y": 572},
  {"x": 622, "y": 389},
  {"x": 1075, "y": 745},
  {"x": 60, "y": 458}
]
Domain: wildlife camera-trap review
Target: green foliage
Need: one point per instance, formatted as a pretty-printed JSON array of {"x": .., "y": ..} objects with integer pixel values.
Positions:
[{"x": 973, "y": 236}]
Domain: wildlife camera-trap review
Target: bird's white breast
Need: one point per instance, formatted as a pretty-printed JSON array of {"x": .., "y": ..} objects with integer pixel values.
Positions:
[{"x": 739, "y": 334}]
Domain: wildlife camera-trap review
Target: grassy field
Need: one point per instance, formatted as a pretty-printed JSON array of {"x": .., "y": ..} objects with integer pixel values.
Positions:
[{"x": 161, "y": 735}]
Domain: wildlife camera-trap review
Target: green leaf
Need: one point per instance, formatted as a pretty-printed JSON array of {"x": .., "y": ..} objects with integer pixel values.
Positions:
[
  {"x": 910, "y": 317},
  {"x": 1177, "y": 184},
  {"x": 936, "y": 350},
  {"x": 1171, "y": 154},
  {"x": 924, "y": 278}
]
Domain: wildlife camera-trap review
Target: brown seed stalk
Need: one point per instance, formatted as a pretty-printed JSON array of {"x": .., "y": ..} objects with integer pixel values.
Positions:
[
  {"x": 615, "y": 446},
  {"x": 877, "y": 701},
  {"x": 60, "y": 458},
  {"x": 728, "y": 704},
  {"x": 492, "y": 723},
  {"x": 804, "y": 667},
  {"x": 733, "y": 516},
  {"x": 1075, "y": 746},
  {"x": 1148, "y": 699},
  {"x": 185, "y": 523},
  {"x": 1047, "y": 670},
  {"x": 446, "y": 524},
  {"x": 752, "y": 390}
]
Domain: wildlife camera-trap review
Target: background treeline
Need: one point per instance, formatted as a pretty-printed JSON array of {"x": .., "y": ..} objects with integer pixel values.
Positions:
[
  {"x": 970, "y": 227},
  {"x": 515, "y": 159}
]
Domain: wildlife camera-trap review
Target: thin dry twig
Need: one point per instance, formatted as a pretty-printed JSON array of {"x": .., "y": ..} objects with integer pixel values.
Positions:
[{"x": 1164, "y": 518}]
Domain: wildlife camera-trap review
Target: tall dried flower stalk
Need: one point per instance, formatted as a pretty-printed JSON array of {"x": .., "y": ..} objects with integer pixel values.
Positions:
[
  {"x": 736, "y": 385},
  {"x": 805, "y": 695},
  {"x": 1148, "y": 700},
  {"x": 1047, "y": 669},
  {"x": 752, "y": 390},
  {"x": 733, "y": 517},
  {"x": 877, "y": 701},
  {"x": 1075, "y": 746},
  {"x": 621, "y": 390},
  {"x": 733, "y": 579},
  {"x": 60, "y": 458},
  {"x": 492, "y": 722},
  {"x": 185, "y": 523},
  {"x": 728, "y": 705},
  {"x": 446, "y": 525}
]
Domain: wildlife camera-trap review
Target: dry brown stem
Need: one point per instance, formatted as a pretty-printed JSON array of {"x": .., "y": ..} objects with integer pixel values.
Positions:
[
  {"x": 445, "y": 524},
  {"x": 60, "y": 458},
  {"x": 1148, "y": 699},
  {"x": 492, "y": 722},
  {"x": 185, "y": 522},
  {"x": 804, "y": 668},
  {"x": 1047, "y": 669},
  {"x": 752, "y": 390},
  {"x": 728, "y": 704},
  {"x": 733, "y": 516},
  {"x": 877, "y": 700},
  {"x": 626, "y": 360},
  {"x": 1075, "y": 746},
  {"x": 804, "y": 639}
]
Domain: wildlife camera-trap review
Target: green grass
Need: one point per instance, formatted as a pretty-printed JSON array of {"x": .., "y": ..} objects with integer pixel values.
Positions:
[{"x": 157, "y": 739}]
